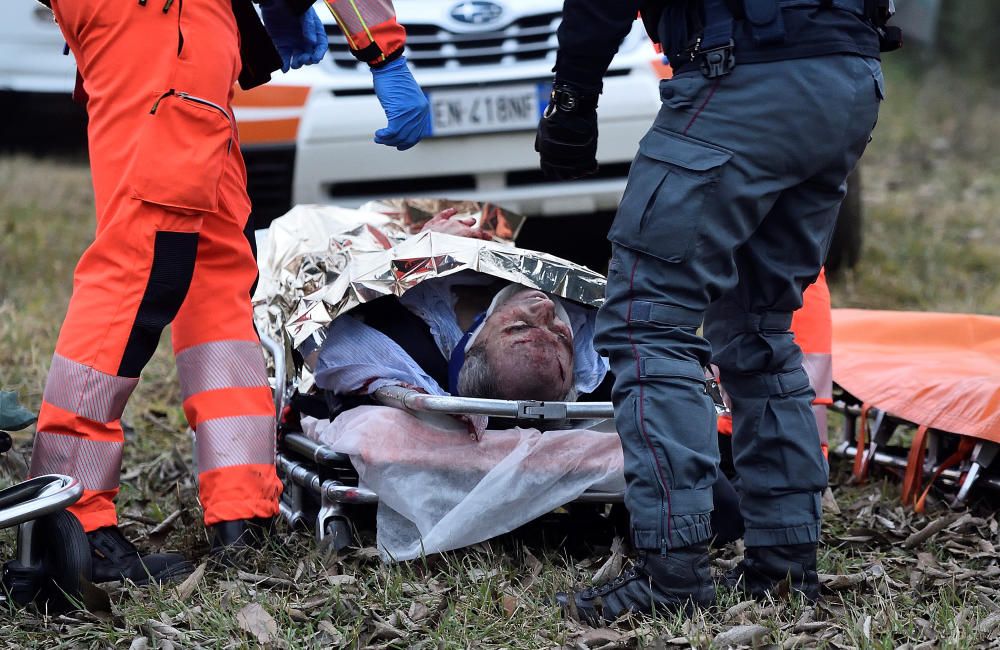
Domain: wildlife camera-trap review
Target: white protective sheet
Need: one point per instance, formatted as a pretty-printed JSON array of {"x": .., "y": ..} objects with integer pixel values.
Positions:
[{"x": 440, "y": 490}]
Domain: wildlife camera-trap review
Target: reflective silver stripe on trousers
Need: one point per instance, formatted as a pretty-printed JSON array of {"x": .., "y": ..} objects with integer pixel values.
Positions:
[
  {"x": 87, "y": 392},
  {"x": 819, "y": 367},
  {"x": 96, "y": 463},
  {"x": 819, "y": 410},
  {"x": 239, "y": 440},
  {"x": 221, "y": 364}
]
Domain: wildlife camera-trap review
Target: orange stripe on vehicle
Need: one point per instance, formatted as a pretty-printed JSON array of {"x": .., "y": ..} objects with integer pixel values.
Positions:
[
  {"x": 268, "y": 131},
  {"x": 228, "y": 402},
  {"x": 271, "y": 97}
]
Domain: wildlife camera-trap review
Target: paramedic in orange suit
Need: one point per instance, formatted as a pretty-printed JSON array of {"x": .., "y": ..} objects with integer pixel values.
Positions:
[{"x": 170, "y": 247}]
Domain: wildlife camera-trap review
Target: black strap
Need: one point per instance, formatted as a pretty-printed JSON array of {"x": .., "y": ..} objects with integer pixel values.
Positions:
[
  {"x": 258, "y": 56},
  {"x": 718, "y": 25}
]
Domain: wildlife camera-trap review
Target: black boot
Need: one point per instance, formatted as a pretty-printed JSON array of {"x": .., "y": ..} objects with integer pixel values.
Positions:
[
  {"x": 230, "y": 539},
  {"x": 764, "y": 568},
  {"x": 681, "y": 580},
  {"x": 115, "y": 558}
]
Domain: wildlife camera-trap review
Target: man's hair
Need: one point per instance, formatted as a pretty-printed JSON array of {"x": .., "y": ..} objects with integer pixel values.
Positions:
[{"x": 478, "y": 378}]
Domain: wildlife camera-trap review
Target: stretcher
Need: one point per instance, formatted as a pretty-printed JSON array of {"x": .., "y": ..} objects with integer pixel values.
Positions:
[
  {"x": 321, "y": 485},
  {"x": 50, "y": 575},
  {"x": 920, "y": 395}
]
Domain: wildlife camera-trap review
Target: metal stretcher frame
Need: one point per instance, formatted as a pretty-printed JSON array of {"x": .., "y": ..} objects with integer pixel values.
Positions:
[
  {"x": 22, "y": 504},
  {"x": 300, "y": 459},
  {"x": 883, "y": 426}
]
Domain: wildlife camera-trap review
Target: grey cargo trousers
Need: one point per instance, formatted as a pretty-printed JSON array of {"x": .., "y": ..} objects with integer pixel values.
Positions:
[{"x": 727, "y": 217}]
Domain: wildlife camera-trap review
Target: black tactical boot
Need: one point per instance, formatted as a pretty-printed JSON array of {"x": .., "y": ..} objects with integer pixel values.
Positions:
[
  {"x": 115, "y": 558},
  {"x": 680, "y": 581},
  {"x": 230, "y": 539},
  {"x": 764, "y": 568}
]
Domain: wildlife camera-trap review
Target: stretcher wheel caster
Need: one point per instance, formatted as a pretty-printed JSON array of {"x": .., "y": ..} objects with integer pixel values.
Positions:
[
  {"x": 337, "y": 534},
  {"x": 53, "y": 564}
]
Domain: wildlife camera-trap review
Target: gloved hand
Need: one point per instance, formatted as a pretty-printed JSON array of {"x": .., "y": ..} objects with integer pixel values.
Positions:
[
  {"x": 405, "y": 105},
  {"x": 567, "y": 140},
  {"x": 300, "y": 40}
]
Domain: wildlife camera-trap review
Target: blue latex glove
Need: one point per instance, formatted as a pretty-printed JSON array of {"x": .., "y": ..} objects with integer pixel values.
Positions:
[
  {"x": 405, "y": 106},
  {"x": 300, "y": 40}
]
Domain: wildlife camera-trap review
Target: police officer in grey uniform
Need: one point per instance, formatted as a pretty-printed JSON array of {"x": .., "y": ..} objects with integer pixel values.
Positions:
[{"x": 727, "y": 217}]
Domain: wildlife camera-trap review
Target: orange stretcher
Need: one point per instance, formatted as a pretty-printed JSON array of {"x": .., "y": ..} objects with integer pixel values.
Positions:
[{"x": 938, "y": 373}]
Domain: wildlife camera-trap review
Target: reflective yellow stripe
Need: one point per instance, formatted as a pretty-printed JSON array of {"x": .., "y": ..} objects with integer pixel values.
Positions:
[
  {"x": 342, "y": 25},
  {"x": 361, "y": 18}
]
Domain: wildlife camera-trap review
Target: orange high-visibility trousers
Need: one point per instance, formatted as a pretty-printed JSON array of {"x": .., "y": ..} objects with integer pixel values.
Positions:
[
  {"x": 172, "y": 207},
  {"x": 812, "y": 325}
]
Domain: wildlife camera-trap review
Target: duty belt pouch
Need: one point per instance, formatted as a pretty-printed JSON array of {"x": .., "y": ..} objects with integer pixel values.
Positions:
[
  {"x": 258, "y": 55},
  {"x": 879, "y": 12},
  {"x": 766, "y": 24}
]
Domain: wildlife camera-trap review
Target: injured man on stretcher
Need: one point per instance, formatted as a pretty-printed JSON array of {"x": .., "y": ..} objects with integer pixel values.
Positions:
[{"x": 472, "y": 334}]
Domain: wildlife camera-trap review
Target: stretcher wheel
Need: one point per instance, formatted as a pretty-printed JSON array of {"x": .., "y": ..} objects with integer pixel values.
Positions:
[
  {"x": 338, "y": 534},
  {"x": 62, "y": 565}
]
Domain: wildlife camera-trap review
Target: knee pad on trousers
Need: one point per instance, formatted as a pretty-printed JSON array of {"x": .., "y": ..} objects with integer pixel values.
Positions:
[{"x": 752, "y": 343}]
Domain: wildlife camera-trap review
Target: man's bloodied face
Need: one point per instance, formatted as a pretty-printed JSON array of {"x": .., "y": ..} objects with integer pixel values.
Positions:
[{"x": 529, "y": 347}]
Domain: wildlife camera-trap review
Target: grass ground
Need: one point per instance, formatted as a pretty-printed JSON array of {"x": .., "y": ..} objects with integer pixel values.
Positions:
[{"x": 932, "y": 194}]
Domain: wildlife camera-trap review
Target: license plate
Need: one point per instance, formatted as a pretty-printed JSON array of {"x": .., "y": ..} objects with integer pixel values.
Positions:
[{"x": 486, "y": 110}]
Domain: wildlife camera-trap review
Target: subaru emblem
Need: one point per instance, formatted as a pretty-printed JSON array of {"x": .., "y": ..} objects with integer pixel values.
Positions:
[{"x": 476, "y": 12}]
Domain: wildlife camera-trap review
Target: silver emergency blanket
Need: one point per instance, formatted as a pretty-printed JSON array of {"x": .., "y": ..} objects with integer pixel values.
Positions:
[
  {"x": 440, "y": 490},
  {"x": 319, "y": 262}
]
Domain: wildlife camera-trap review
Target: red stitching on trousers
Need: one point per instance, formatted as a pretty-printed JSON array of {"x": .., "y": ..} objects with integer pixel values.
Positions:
[
  {"x": 694, "y": 117},
  {"x": 638, "y": 376}
]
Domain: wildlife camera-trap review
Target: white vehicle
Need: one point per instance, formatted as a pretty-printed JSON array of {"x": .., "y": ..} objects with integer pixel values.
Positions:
[
  {"x": 31, "y": 50},
  {"x": 36, "y": 80},
  {"x": 307, "y": 136},
  {"x": 486, "y": 66}
]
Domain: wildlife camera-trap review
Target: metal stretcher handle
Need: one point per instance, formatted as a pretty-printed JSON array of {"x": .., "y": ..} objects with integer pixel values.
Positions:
[
  {"x": 37, "y": 497},
  {"x": 411, "y": 400},
  {"x": 277, "y": 352}
]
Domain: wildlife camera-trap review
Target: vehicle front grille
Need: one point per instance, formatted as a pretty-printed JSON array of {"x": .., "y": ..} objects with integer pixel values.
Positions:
[
  {"x": 430, "y": 46},
  {"x": 402, "y": 186},
  {"x": 269, "y": 181}
]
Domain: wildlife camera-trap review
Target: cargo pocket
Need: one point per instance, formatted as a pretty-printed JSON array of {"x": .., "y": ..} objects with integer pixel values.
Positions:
[
  {"x": 661, "y": 209},
  {"x": 182, "y": 153}
]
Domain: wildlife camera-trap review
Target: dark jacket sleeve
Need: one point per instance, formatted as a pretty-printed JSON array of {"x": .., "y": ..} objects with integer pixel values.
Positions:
[{"x": 589, "y": 36}]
